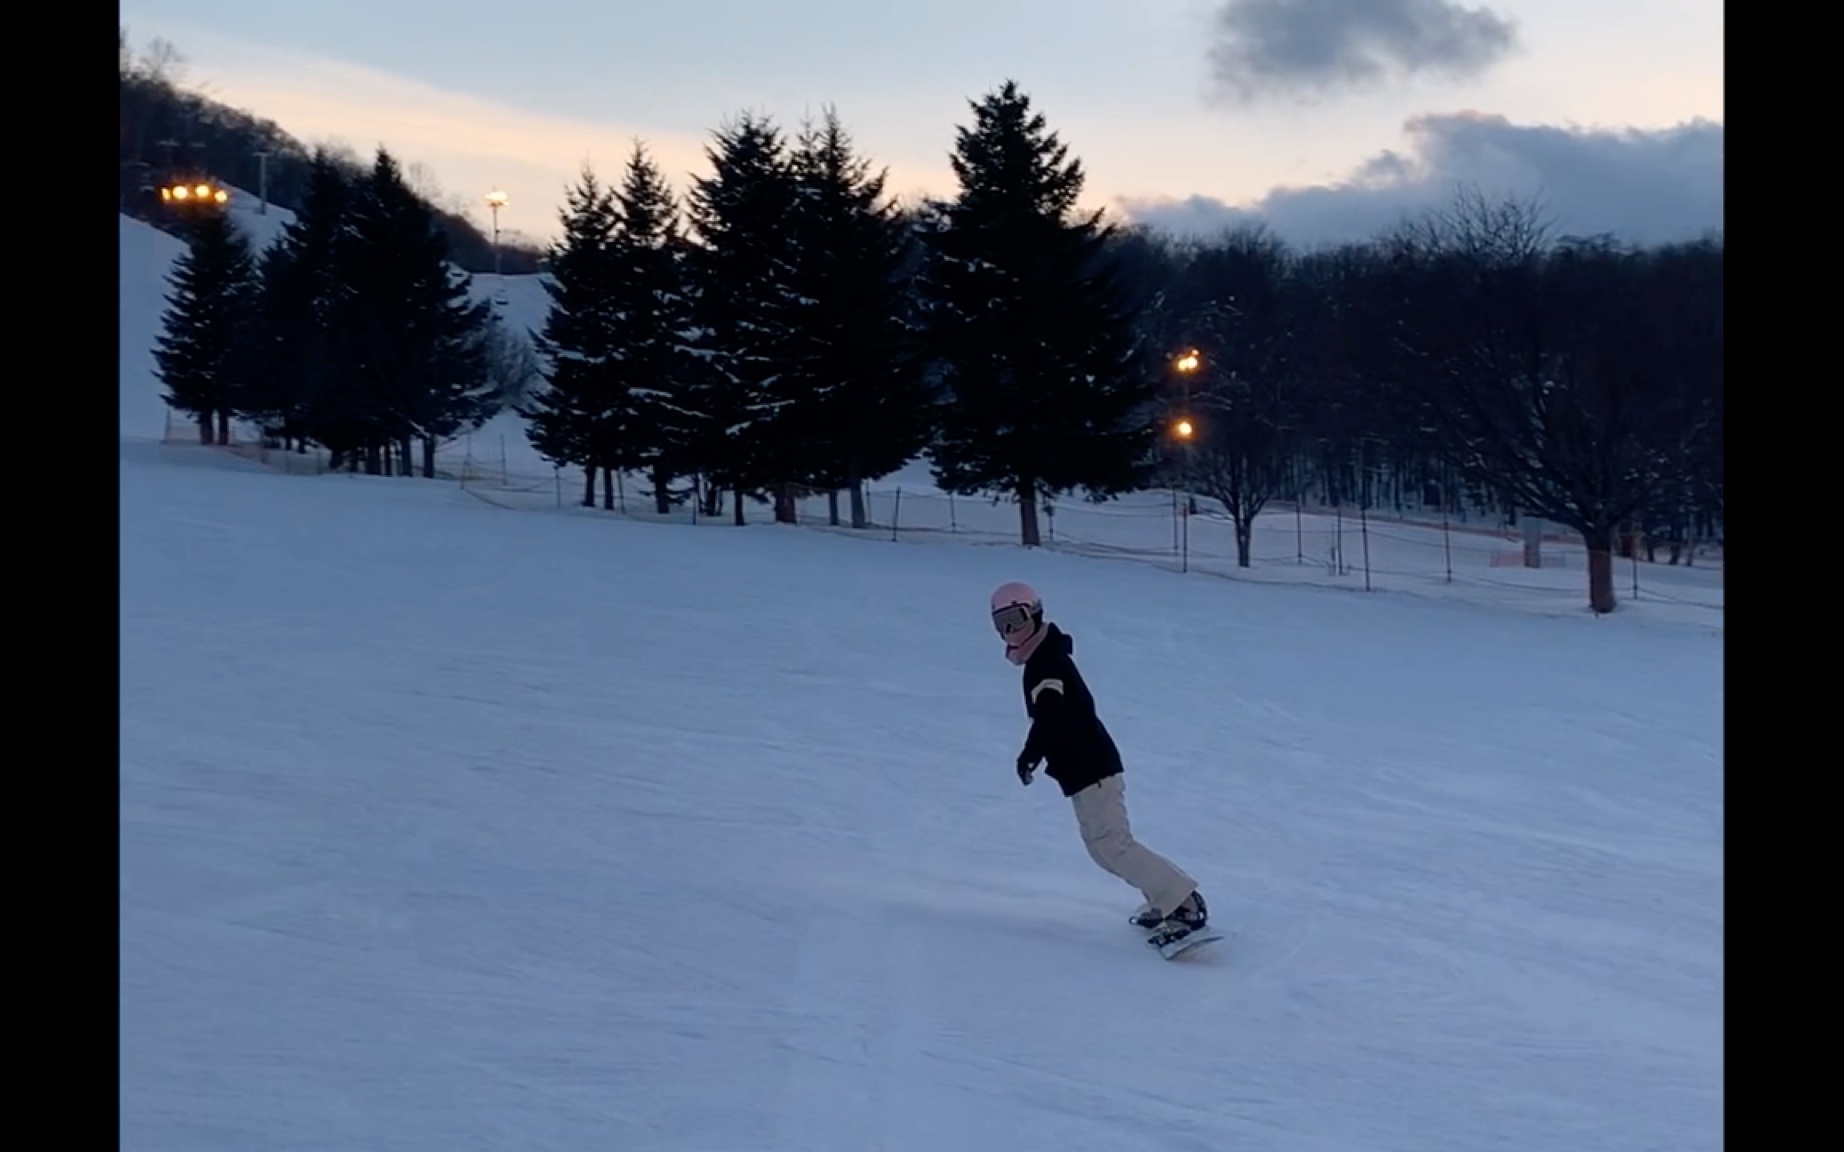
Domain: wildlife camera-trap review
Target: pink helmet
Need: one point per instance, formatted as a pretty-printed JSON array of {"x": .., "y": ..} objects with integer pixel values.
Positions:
[{"x": 1017, "y": 612}]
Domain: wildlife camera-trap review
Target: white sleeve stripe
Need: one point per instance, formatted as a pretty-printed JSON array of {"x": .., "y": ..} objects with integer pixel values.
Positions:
[{"x": 1043, "y": 685}]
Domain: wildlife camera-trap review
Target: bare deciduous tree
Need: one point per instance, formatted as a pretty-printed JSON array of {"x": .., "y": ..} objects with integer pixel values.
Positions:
[
  {"x": 1537, "y": 364},
  {"x": 1238, "y": 311}
]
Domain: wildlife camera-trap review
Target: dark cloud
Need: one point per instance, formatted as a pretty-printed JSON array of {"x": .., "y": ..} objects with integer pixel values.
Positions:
[
  {"x": 1306, "y": 48},
  {"x": 1644, "y": 186}
]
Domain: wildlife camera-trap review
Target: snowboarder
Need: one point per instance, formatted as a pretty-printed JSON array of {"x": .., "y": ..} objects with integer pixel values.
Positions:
[{"x": 1068, "y": 738}]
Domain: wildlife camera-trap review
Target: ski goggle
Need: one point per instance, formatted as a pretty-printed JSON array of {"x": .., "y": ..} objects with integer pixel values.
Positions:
[{"x": 1012, "y": 619}]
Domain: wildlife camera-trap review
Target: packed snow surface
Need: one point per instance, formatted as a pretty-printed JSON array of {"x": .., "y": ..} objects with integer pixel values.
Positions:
[
  {"x": 457, "y": 818},
  {"x": 448, "y": 827}
]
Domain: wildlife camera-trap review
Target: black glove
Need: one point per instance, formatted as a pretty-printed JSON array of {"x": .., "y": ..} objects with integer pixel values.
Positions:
[{"x": 1027, "y": 765}]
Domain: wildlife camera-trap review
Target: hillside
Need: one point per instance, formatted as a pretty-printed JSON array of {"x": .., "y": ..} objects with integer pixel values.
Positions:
[
  {"x": 1478, "y": 562},
  {"x": 168, "y": 131},
  {"x": 146, "y": 254},
  {"x": 446, "y": 828}
]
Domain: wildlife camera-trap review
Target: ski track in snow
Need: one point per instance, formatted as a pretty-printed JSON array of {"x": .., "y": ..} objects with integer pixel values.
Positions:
[{"x": 448, "y": 830}]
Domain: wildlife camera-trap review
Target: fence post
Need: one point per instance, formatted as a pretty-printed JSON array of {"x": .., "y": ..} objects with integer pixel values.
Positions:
[
  {"x": 1446, "y": 540},
  {"x": 953, "y": 521},
  {"x": 1184, "y": 563},
  {"x": 895, "y": 512},
  {"x": 1363, "y": 521},
  {"x": 1299, "y": 529},
  {"x": 557, "y": 479}
]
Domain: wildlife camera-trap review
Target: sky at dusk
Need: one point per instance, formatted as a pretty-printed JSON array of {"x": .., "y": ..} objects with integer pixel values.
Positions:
[{"x": 1326, "y": 119}]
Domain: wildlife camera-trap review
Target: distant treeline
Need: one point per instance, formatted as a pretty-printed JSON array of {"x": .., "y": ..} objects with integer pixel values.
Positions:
[
  {"x": 353, "y": 330},
  {"x": 783, "y": 329},
  {"x": 169, "y": 133}
]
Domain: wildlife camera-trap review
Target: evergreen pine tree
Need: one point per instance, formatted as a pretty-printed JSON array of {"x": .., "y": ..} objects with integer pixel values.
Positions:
[
  {"x": 652, "y": 322},
  {"x": 201, "y": 350},
  {"x": 1025, "y": 315},
  {"x": 270, "y": 397},
  {"x": 569, "y": 419},
  {"x": 741, "y": 268},
  {"x": 416, "y": 337},
  {"x": 864, "y": 407},
  {"x": 303, "y": 386}
]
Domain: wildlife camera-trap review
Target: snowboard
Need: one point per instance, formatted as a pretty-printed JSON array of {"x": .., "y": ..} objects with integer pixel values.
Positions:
[{"x": 1172, "y": 948}]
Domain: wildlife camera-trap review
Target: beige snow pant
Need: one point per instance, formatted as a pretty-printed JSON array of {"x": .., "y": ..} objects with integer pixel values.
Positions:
[{"x": 1101, "y": 813}]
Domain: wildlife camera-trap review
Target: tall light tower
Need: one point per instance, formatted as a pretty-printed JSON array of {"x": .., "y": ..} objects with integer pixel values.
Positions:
[
  {"x": 1185, "y": 430},
  {"x": 495, "y": 201},
  {"x": 1186, "y": 365},
  {"x": 262, "y": 182}
]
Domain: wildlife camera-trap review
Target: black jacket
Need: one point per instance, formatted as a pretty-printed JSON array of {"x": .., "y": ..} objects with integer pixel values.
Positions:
[{"x": 1065, "y": 730}]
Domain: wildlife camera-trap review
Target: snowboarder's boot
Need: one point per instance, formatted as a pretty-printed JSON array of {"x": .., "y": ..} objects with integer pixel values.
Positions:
[{"x": 1191, "y": 915}]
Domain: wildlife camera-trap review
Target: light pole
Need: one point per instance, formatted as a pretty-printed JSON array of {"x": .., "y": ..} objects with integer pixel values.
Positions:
[
  {"x": 495, "y": 201},
  {"x": 1184, "y": 430},
  {"x": 1186, "y": 365},
  {"x": 262, "y": 183}
]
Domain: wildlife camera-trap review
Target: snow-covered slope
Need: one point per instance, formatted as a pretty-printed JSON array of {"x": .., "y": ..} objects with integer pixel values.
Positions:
[
  {"x": 260, "y": 226},
  {"x": 147, "y": 254},
  {"x": 447, "y": 828}
]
